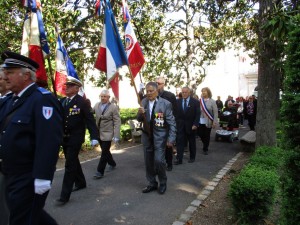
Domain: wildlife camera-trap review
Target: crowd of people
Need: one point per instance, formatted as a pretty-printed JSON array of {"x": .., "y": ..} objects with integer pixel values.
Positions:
[{"x": 34, "y": 124}]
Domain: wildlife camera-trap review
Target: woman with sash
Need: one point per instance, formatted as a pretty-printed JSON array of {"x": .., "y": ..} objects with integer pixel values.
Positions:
[{"x": 208, "y": 117}]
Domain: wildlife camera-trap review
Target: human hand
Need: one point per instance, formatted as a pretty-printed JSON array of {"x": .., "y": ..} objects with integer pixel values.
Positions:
[
  {"x": 169, "y": 144},
  {"x": 94, "y": 143},
  {"x": 194, "y": 127},
  {"x": 141, "y": 110},
  {"x": 115, "y": 140},
  {"x": 41, "y": 186}
]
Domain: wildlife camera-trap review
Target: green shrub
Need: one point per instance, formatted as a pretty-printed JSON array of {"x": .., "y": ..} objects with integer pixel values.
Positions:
[
  {"x": 128, "y": 114},
  {"x": 290, "y": 114},
  {"x": 253, "y": 193},
  {"x": 267, "y": 157},
  {"x": 125, "y": 132}
]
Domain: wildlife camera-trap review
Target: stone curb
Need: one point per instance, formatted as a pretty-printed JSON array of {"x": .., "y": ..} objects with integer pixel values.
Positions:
[{"x": 187, "y": 214}]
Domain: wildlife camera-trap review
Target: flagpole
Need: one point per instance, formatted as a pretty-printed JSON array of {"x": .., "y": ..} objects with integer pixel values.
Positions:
[
  {"x": 51, "y": 75},
  {"x": 133, "y": 83}
]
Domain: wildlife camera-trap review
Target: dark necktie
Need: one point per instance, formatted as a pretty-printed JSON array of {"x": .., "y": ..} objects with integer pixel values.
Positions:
[
  {"x": 67, "y": 101},
  {"x": 184, "y": 105},
  {"x": 152, "y": 112},
  {"x": 14, "y": 99}
]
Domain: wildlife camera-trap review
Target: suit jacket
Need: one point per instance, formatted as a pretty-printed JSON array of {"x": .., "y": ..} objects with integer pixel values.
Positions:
[
  {"x": 164, "y": 125},
  {"x": 109, "y": 122},
  {"x": 171, "y": 98},
  {"x": 78, "y": 115},
  {"x": 33, "y": 135},
  {"x": 185, "y": 120}
]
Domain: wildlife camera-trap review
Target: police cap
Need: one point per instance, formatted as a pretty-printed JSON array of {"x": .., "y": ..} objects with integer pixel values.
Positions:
[
  {"x": 15, "y": 60},
  {"x": 73, "y": 81}
]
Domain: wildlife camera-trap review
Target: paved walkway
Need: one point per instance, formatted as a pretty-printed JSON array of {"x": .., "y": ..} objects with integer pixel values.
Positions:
[{"x": 117, "y": 198}]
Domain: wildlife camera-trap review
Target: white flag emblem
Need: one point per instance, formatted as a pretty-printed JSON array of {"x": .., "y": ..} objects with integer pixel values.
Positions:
[{"x": 47, "y": 112}]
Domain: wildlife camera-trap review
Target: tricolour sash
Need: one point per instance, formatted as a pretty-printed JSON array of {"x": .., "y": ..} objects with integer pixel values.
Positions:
[{"x": 204, "y": 108}]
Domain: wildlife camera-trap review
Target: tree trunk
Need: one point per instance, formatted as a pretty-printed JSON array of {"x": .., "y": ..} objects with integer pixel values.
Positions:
[{"x": 268, "y": 82}]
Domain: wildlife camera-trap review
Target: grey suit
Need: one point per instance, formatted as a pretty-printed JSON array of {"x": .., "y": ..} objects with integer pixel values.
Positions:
[{"x": 163, "y": 129}]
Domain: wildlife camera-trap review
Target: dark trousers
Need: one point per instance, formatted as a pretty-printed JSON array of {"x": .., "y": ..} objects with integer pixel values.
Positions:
[
  {"x": 204, "y": 134},
  {"x": 252, "y": 121},
  {"x": 73, "y": 171},
  {"x": 106, "y": 156},
  {"x": 4, "y": 213},
  {"x": 169, "y": 155},
  {"x": 24, "y": 205},
  {"x": 182, "y": 139},
  {"x": 241, "y": 118}
]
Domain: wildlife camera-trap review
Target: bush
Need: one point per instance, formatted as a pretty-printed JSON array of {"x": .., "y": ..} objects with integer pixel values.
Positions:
[
  {"x": 269, "y": 158},
  {"x": 253, "y": 193},
  {"x": 290, "y": 113},
  {"x": 127, "y": 114},
  {"x": 125, "y": 132}
]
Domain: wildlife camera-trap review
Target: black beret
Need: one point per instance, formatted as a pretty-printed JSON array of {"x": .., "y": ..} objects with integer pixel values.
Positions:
[{"x": 15, "y": 60}]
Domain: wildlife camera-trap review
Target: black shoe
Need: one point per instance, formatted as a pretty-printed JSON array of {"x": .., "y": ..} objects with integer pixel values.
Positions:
[
  {"x": 162, "y": 188},
  {"x": 60, "y": 202},
  {"x": 78, "y": 188},
  {"x": 169, "y": 168},
  {"x": 191, "y": 161},
  {"x": 111, "y": 168},
  {"x": 98, "y": 175},
  {"x": 149, "y": 189},
  {"x": 177, "y": 162},
  {"x": 205, "y": 153}
]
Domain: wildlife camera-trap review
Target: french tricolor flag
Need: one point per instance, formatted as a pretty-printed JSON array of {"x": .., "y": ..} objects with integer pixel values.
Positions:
[
  {"x": 34, "y": 42},
  {"x": 64, "y": 68},
  {"x": 133, "y": 50},
  {"x": 111, "y": 55}
]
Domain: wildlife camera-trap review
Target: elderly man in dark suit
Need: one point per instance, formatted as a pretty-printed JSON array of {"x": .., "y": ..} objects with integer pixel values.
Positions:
[
  {"x": 31, "y": 134},
  {"x": 159, "y": 128},
  {"x": 78, "y": 115},
  {"x": 187, "y": 122}
]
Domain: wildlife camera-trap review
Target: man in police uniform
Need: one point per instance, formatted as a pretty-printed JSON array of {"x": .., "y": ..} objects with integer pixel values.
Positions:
[
  {"x": 4, "y": 213},
  {"x": 30, "y": 137},
  {"x": 78, "y": 116}
]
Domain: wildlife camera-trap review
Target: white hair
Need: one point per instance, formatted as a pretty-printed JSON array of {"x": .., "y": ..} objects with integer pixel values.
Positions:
[
  {"x": 105, "y": 92},
  {"x": 32, "y": 73}
]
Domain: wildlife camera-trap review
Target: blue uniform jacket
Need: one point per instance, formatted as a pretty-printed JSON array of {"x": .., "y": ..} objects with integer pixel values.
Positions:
[{"x": 32, "y": 138}]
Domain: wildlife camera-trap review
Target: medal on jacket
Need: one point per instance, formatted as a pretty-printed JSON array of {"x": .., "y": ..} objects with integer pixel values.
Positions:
[
  {"x": 74, "y": 110},
  {"x": 159, "y": 119}
]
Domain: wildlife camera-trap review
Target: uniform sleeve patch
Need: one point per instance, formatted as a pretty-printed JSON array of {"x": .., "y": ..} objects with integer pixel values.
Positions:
[{"x": 47, "y": 112}]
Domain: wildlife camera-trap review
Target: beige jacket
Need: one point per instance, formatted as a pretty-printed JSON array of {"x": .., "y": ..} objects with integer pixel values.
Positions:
[
  {"x": 213, "y": 109},
  {"x": 109, "y": 123}
]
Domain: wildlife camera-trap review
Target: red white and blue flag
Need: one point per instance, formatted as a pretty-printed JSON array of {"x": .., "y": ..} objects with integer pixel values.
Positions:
[
  {"x": 133, "y": 50},
  {"x": 111, "y": 55},
  {"x": 64, "y": 68},
  {"x": 34, "y": 42},
  {"x": 98, "y": 6}
]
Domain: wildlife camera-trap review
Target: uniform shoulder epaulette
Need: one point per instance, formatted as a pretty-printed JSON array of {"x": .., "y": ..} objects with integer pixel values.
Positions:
[{"x": 43, "y": 91}]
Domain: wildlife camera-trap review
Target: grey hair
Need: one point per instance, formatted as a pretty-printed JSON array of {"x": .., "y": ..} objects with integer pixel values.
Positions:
[
  {"x": 162, "y": 79},
  {"x": 186, "y": 87},
  {"x": 32, "y": 73},
  {"x": 105, "y": 92},
  {"x": 152, "y": 84}
]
